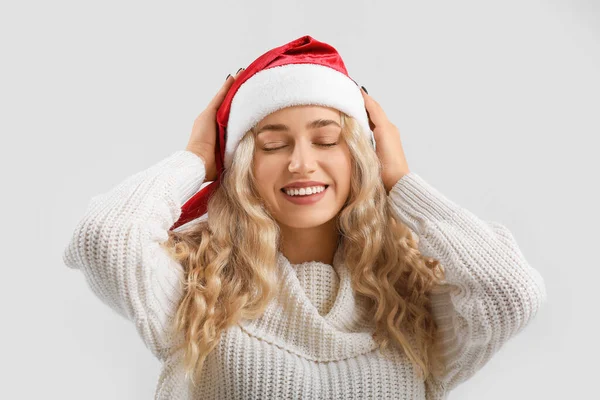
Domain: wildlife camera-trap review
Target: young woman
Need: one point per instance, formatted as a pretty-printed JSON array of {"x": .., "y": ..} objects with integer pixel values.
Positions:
[{"x": 316, "y": 264}]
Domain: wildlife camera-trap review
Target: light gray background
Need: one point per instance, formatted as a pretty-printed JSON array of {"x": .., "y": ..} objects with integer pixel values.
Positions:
[{"x": 497, "y": 103}]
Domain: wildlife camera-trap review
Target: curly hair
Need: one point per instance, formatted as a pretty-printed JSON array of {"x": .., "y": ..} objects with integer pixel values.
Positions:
[{"x": 231, "y": 272}]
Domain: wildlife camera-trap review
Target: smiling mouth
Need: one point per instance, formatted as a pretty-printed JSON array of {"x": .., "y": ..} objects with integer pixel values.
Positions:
[{"x": 283, "y": 190}]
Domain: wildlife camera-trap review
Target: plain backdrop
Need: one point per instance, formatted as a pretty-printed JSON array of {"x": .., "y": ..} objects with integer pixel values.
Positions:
[{"x": 498, "y": 105}]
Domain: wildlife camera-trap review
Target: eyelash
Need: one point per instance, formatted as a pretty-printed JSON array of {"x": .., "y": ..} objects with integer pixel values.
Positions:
[{"x": 318, "y": 144}]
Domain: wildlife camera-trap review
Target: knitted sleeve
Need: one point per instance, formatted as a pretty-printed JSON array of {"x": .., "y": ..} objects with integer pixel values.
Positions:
[
  {"x": 116, "y": 245},
  {"x": 490, "y": 293}
]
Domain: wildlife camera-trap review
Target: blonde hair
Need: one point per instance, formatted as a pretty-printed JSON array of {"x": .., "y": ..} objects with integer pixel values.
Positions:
[{"x": 230, "y": 260}]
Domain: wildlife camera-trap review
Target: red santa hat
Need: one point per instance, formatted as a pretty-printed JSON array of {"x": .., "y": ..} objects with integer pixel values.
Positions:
[{"x": 301, "y": 72}]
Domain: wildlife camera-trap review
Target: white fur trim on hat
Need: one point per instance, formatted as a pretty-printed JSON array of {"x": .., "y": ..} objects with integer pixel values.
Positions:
[{"x": 288, "y": 85}]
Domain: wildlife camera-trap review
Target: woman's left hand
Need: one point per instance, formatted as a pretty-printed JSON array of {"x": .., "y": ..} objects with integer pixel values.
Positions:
[{"x": 388, "y": 144}]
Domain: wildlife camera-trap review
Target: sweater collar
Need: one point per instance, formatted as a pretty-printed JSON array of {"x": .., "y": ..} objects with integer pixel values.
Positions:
[{"x": 293, "y": 323}]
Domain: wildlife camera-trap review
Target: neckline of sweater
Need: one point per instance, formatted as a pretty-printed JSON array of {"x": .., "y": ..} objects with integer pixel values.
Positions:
[{"x": 293, "y": 323}]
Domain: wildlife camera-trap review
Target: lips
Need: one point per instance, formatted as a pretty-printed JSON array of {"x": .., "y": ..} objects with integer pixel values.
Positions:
[{"x": 305, "y": 200}]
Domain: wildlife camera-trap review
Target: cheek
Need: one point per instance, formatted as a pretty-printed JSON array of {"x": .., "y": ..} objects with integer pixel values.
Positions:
[
  {"x": 264, "y": 174},
  {"x": 341, "y": 166}
]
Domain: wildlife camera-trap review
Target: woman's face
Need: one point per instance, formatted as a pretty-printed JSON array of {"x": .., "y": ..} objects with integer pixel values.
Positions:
[{"x": 291, "y": 146}]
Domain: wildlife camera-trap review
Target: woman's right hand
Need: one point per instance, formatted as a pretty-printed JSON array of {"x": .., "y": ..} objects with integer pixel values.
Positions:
[{"x": 204, "y": 132}]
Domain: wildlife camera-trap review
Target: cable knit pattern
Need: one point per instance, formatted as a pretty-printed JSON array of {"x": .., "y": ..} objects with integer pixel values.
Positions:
[{"x": 314, "y": 340}]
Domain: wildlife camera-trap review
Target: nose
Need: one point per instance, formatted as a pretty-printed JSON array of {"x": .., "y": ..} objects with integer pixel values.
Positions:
[{"x": 302, "y": 159}]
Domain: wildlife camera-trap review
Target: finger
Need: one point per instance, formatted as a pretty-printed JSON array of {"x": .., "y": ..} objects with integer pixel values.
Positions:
[
  {"x": 374, "y": 110},
  {"x": 369, "y": 100},
  {"x": 220, "y": 96},
  {"x": 370, "y": 106},
  {"x": 370, "y": 103},
  {"x": 371, "y": 124}
]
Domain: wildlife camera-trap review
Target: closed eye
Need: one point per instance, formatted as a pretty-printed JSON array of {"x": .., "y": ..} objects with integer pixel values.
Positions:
[{"x": 318, "y": 144}]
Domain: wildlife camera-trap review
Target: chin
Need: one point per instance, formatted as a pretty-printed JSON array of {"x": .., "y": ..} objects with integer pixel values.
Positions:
[{"x": 304, "y": 222}]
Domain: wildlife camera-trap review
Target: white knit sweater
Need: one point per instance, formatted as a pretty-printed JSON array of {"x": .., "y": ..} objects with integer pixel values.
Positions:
[{"x": 314, "y": 341}]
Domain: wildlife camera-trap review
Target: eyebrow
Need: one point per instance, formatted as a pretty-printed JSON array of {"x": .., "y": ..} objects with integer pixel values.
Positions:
[{"x": 318, "y": 123}]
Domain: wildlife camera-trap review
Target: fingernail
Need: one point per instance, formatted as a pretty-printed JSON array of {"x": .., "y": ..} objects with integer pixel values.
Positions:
[
  {"x": 228, "y": 75},
  {"x": 238, "y": 71},
  {"x": 365, "y": 89}
]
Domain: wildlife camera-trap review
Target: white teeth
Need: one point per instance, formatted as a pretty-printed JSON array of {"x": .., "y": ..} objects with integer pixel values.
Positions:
[{"x": 305, "y": 191}]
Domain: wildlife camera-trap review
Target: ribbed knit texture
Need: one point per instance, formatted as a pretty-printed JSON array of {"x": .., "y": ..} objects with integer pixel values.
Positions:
[
  {"x": 320, "y": 282},
  {"x": 314, "y": 340}
]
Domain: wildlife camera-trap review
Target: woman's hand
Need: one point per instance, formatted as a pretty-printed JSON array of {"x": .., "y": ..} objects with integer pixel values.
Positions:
[
  {"x": 388, "y": 143},
  {"x": 203, "y": 139}
]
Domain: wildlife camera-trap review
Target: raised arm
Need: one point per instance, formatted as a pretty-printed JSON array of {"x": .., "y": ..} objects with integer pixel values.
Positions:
[
  {"x": 490, "y": 293},
  {"x": 116, "y": 245}
]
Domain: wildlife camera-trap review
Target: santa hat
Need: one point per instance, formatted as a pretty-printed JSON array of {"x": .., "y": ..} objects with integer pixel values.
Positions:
[{"x": 301, "y": 72}]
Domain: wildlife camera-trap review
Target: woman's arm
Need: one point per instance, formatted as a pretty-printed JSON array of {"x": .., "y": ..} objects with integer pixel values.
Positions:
[
  {"x": 116, "y": 245},
  {"x": 490, "y": 293}
]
